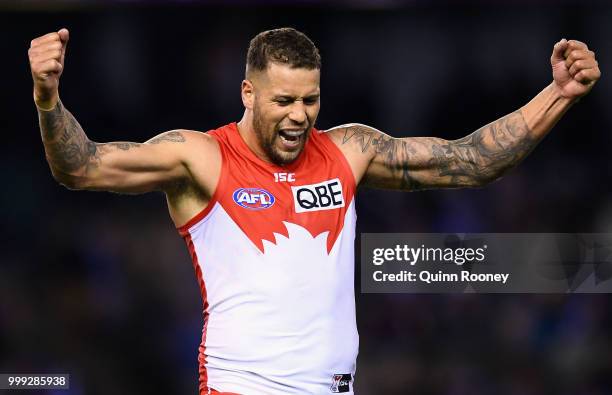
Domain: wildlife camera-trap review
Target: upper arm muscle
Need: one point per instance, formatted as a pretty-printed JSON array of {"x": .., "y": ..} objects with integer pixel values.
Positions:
[
  {"x": 408, "y": 163},
  {"x": 139, "y": 167},
  {"x": 378, "y": 159},
  {"x": 429, "y": 162}
]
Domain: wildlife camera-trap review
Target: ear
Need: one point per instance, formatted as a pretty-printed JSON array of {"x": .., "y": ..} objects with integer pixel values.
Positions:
[{"x": 248, "y": 94}]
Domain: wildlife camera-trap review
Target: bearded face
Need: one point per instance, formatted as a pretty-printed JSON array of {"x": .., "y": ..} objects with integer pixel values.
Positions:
[
  {"x": 285, "y": 109},
  {"x": 282, "y": 144}
]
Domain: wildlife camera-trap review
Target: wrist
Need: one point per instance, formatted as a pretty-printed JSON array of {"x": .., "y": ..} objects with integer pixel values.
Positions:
[
  {"x": 560, "y": 95},
  {"x": 545, "y": 109},
  {"x": 47, "y": 102}
]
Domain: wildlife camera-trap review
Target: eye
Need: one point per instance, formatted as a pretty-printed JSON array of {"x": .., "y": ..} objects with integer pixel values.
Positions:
[
  {"x": 283, "y": 100},
  {"x": 311, "y": 100}
]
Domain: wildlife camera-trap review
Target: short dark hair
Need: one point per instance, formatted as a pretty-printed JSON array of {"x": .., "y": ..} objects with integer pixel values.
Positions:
[{"x": 286, "y": 46}]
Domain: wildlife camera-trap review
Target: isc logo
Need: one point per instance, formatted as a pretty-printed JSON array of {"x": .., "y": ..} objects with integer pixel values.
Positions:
[
  {"x": 284, "y": 177},
  {"x": 326, "y": 195},
  {"x": 253, "y": 198}
]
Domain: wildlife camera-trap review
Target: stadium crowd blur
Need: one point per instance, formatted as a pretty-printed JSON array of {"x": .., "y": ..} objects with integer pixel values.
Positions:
[{"x": 101, "y": 286}]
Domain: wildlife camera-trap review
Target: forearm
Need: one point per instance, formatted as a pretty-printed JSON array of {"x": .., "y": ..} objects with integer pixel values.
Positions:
[
  {"x": 544, "y": 111},
  {"x": 492, "y": 150},
  {"x": 68, "y": 149},
  {"x": 485, "y": 155}
]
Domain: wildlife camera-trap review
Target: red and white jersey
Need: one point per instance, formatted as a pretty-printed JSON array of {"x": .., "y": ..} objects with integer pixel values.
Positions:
[{"x": 273, "y": 253}]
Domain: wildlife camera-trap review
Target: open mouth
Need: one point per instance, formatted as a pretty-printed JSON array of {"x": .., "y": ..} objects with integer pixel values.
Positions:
[{"x": 290, "y": 138}]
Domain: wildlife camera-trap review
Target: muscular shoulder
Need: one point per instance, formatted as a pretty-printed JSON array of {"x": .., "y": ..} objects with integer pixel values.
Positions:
[
  {"x": 199, "y": 152},
  {"x": 358, "y": 138},
  {"x": 202, "y": 157},
  {"x": 359, "y": 143},
  {"x": 195, "y": 146},
  {"x": 193, "y": 138}
]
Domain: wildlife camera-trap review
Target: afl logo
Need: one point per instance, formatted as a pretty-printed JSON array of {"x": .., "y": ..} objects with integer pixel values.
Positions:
[{"x": 253, "y": 198}]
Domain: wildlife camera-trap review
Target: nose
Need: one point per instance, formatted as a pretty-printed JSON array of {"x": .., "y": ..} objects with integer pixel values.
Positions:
[{"x": 298, "y": 112}]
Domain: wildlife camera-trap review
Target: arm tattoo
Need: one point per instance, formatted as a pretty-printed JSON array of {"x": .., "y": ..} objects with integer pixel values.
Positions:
[
  {"x": 174, "y": 137},
  {"x": 419, "y": 163},
  {"x": 394, "y": 153},
  {"x": 69, "y": 149},
  {"x": 361, "y": 136},
  {"x": 486, "y": 154},
  {"x": 123, "y": 146}
]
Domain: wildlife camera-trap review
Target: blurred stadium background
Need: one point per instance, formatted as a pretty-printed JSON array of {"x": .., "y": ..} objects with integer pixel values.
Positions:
[{"x": 101, "y": 286}]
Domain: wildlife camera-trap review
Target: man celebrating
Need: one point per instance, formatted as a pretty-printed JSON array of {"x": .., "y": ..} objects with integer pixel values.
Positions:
[{"x": 266, "y": 205}]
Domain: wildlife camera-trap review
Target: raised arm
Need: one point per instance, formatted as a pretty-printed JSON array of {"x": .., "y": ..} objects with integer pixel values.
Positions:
[
  {"x": 127, "y": 167},
  {"x": 481, "y": 157},
  {"x": 80, "y": 163}
]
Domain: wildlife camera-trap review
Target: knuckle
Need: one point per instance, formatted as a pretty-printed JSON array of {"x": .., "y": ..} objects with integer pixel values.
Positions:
[{"x": 52, "y": 45}]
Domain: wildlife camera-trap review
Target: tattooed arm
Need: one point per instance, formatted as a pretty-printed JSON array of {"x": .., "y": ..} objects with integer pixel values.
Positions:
[
  {"x": 414, "y": 163},
  {"x": 379, "y": 160},
  {"x": 79, "y": 163}
]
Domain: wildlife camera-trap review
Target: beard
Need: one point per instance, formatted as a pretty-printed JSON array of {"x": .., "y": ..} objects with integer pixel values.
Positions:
[{"x": 267, "y": 141}]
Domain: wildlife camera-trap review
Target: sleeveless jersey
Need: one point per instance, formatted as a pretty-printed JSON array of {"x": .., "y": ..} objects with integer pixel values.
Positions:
[{"x": 273, "y": 254}]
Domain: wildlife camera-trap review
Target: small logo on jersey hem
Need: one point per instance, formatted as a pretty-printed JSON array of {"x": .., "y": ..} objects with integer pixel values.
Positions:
[
  {"x": 253, "y": 198},
  {"x": 341, "y": 383}
]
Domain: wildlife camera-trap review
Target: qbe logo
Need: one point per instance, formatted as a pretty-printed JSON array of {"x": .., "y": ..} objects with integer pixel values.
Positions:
[
  {"x": 253, "y": 198},
  {"x": 326, "y": 195},
  {"x": 341, "y": 383}
]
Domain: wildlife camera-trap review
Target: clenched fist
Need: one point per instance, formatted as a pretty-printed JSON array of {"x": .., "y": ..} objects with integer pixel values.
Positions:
[
  {"x": 575, "y": 69},
  {"x": 46, "y": 55}
]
